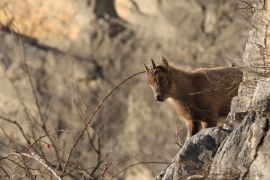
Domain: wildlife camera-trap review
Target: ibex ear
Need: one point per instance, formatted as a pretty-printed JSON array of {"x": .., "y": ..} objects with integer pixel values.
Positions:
[
  {"x": 146, "y": 68},
  {"x": 153, "y": 64},
  {"x": 164, "y": 60}
]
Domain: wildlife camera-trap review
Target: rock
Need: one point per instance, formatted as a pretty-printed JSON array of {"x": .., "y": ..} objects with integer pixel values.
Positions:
[
  {"x": 126, "y": 9},
  {"x": 210, "y": 20},
  {"x": 194, "y": 159},
  {"x": 254, "y": 69},
  {"x": 145, "y": 15},
  {"x": 244, "y": 150},
  {"x": 75, "y": 28},
  {"x": 244, "y": 154},
  {"x": 77, "y": 53},
  {"x": 65, "y": 21},
  {"x": 201, "y": 31},
  {"x": 261, "y": 96},
  {"x": 104, "y": 8}
]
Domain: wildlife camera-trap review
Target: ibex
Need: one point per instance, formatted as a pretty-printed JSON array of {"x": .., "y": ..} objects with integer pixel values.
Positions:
[{"x": 199, "y": 97}]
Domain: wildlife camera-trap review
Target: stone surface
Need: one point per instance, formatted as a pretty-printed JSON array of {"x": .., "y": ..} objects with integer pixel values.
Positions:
[
  {"x": 196, "y": 156},
  {"x": 256, "y": 65},
  {"x": 260, "y": 101},
  {"x": 71, "y": 72},
  {"x": 243, "y": 153},
  {"x": 66, "y": 20}
]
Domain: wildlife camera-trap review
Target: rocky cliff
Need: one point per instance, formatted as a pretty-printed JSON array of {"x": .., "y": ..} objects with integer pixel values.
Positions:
[{"x": 60, "y": 58}]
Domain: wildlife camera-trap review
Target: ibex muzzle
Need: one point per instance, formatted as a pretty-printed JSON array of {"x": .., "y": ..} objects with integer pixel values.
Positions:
[{"x": 159, "y": 80}]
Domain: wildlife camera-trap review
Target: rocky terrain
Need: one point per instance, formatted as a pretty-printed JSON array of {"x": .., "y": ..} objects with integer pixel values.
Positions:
[{"x": 74, "y": 52}]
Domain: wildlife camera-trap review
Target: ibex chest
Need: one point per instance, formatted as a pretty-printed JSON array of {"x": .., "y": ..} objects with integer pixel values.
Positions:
[
  {"x": 188, "y": 109},
  {"x": 183, "y": 109}
]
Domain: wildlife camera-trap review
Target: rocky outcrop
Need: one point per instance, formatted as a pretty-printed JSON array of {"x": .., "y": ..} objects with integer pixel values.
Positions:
[
  {"x": 202, "y": 31},
  {"x": 244, "y": 153},
  {"x": 45, "y": 20},
  {"x": 196, "y": 31},
  {"x": 79, "y": 50},
  {"x": 196, "y": 155}
]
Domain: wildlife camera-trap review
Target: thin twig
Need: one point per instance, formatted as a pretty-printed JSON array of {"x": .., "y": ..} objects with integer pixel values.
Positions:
[
  {"x": 98, "y": 154},
  {"x": 3, "y": 169},
  {"x": 28, "y": 170},
  {"x": 19, "y": 127},
  {"x": 43, "y": 136},
  {"x": 38, "y": 107},
  {"x": 40, "y": 161},
  {"x": 105, "y": 169}
]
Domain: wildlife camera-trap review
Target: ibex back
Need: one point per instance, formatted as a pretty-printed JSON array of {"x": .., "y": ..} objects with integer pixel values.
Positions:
[{"x": 199, "y": 97}]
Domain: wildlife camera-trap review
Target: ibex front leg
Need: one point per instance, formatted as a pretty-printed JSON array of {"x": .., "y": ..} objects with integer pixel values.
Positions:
[{"x": 193, "y": 127}]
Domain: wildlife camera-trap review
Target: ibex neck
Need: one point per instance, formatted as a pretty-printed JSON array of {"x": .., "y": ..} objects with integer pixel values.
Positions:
[{"x": 181, "y": 84}]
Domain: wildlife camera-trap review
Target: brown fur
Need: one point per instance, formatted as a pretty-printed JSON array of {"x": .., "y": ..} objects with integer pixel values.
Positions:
[{"x": 200, "y": 96}]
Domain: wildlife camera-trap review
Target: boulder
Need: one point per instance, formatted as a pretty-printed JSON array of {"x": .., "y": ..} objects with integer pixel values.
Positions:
[{"x": 195, "y": 157}]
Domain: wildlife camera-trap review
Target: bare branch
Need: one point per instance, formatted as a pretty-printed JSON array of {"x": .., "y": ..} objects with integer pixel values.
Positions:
[
  {"x": 19, "y": 127},
  {"x": 40, "y": 161}
]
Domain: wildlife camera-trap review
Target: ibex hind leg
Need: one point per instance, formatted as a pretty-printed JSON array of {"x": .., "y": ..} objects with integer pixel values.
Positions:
[
  {"x": 208, "y": 124},
  {"x": 193, "y": 127}
]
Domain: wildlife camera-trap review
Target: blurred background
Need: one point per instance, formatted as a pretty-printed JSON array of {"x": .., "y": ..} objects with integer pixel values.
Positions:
[{"x": 76, "y": 51}]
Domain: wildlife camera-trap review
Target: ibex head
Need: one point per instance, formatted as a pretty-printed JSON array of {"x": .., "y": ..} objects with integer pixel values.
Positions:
[{"x": 159, "y": 79}]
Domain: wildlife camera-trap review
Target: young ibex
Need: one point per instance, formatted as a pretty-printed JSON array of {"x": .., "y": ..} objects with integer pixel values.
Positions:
[{"x": 200, "y": 96}]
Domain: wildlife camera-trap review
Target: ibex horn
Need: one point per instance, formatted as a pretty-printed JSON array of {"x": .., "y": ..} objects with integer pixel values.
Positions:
[
  {"x": 153, "y": 63},
  {"x": 146, "y": 67}
]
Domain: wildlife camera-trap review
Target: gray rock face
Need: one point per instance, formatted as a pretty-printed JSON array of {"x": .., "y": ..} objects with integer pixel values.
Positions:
[
  {"x": 196, "y": 155},
  {"x": 243, "y": 154},
  {"x": 260, "y": 101},
  {"x": 71, "y": 76},
  {"x": 202, "y": 30},
  {"x": 255, "y": 66}
]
